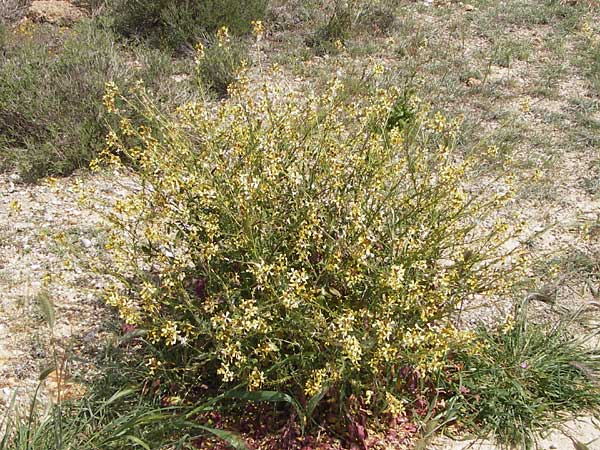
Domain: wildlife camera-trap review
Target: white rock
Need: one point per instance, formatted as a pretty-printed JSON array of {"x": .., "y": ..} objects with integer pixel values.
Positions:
[{"x": 7, "y": 393}]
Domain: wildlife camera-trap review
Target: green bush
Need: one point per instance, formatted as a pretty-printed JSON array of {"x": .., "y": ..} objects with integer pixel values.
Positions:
[
  {"x": 178, "y": 23},
  {"x": 52, "y": 120},
  {"x": 12, "y": 10},
  {"x": 588, "y": 58},
  {"x": 348, "y": 18},
  {"x": 329, "y": 37},
  {"x": 2, "y": 36},
  {"x": 377, "y": 17},
  {"x": 298, "y": 244},
  {"x": 219, "y": 63},
  {"x": 51, "y": 112}
]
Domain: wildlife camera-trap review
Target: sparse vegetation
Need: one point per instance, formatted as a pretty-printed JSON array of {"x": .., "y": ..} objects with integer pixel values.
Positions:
[
  {"x": 219, "y": 61},
  {"x": 331, "y": 36},
  {"x": 11, "y": 10}
]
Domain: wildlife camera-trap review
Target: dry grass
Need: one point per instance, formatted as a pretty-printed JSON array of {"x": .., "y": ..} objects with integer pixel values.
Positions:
[{"x": 12, "y": 10}]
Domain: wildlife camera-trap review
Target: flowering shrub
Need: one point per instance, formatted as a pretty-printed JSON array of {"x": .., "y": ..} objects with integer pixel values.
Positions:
[{"x": 299, "y": 243}]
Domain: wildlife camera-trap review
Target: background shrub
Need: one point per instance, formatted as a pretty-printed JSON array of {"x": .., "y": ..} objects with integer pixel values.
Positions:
[
  {"x": 51, "y": 116},
  {"x": 378, "y": 17},
  {"x": 348, "y": 19},
  {"x": 50, "y": 99},
  {"x": 12, "y": 10},
  {"x": 2, "y": 36},
  {"x": 179, "y": 24},
  {"x": 338, "y": 28},
  {"x": 301, "y": 246},
  {"x": 219, "y": 62}
]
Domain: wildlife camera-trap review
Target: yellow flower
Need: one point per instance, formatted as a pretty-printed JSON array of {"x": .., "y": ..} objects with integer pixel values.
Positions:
[
  {"x": 223, "y": 37},
  {"x": 378, "y": 69},
  {"x": 256, "y": 379},
  {"x": 525, "y": 104},
  {"x": 200, "y": 52},
  {"x": 15, "y": 206},
  {"x": 394, "y": 406},
  {"x": 110, "y": 92},
  {"x": 258, "y": 29}
]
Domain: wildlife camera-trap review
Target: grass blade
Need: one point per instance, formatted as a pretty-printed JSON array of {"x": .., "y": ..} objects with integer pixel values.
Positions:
[
  {"x": 46, "y": 307},
  {"x": 232, "y": 439}
]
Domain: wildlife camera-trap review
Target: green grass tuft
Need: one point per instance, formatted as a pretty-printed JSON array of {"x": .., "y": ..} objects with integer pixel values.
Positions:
[{"x": 527, "y": 379}]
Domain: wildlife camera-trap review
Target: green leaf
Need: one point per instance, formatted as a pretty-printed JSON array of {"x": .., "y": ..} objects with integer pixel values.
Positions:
[
  {"x": 232, "y": 439},
  {"x": 132, "y": 335},
  {"x": 46, "y": 307},
  {"x": 315, "y": 400},
  {"x": 138, "y": 441},
  {"x": 264, "y": 396},
  {"x": 335, "y": 292},
  {"x": 118, "y": 395},
  {"x": 46, "y": 372}
]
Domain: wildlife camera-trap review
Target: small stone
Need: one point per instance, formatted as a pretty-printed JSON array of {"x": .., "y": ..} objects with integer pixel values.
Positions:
[
  {"x": 90, "y": 337},
  {"x": 15, "y": 178},
  {"x": 86, "y": 242},
  {"x": 178, "y": 78},
  {"x": 469, "y": 7}
]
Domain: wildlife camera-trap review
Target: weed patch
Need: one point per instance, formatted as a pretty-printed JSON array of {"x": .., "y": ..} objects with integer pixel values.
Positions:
[
  {"x": 219, "y": 62},
  {"x": 527, "y": 379}
]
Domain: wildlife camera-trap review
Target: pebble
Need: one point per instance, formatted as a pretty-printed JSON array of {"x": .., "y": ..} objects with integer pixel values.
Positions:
[
  {"x": 7, "y": 394},
  {"x": 28, "y": 251},
  {"x": 86, "y": 242}
]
